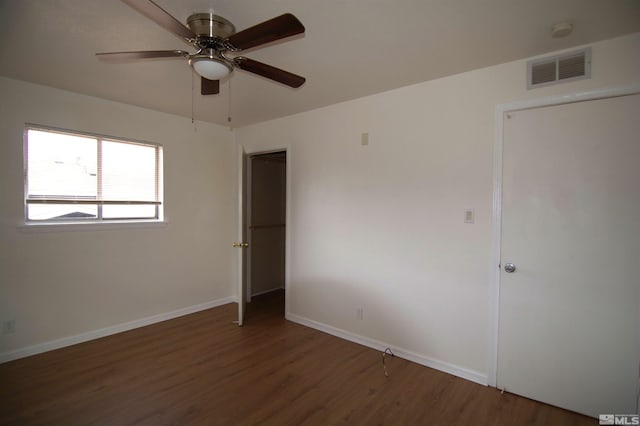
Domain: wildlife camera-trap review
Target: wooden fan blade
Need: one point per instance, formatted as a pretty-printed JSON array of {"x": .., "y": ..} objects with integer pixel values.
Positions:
[
  {"x": 272, "y": 73},
  {"x": 145, "y": 54},
  {"x": 161, "y": 17},
  {"x": 209, "y": 87},
  {"x": 274, "y": 29}
]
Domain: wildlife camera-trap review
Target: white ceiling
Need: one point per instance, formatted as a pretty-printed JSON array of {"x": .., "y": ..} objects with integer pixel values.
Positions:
[{"x": 351, "y": 48}]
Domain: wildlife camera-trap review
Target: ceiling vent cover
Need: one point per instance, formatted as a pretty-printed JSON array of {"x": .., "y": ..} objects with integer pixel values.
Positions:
[{"x": 558, "y": 69}]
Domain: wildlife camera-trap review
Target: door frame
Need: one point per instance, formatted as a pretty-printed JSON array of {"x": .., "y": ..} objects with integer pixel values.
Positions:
[
  {"x": 244, "y": 173},
  {"x": 501, "y": 110},
  {"x": 241, "y": 216}
]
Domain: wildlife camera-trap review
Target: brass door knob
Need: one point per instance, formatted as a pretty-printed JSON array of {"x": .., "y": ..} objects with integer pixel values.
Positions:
[{"x": 241, "y": 245}]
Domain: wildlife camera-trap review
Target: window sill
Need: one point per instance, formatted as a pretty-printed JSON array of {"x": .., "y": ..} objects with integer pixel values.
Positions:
[{"x": 91, "y": 226}]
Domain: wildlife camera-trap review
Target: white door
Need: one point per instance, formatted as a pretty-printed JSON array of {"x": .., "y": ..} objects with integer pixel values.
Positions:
[
  {"x": 569, "y": 314},
  {"x": 240, "y": 245}
]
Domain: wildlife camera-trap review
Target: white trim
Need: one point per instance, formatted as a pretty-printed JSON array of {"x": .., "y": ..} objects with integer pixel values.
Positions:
[
  {"x": 242, "y": 155},
  {"x": 494, "y": 289},
  {"x": 248, "y": 231},
  {"x": 287, "y": 233},
  {"x": 588, "y": 95},
  {"x": 91, "y": 226},
  {"x": 107, "y": 331},
  {"x": 287, "y": 230},
  {"x": 464, "y": 373}
]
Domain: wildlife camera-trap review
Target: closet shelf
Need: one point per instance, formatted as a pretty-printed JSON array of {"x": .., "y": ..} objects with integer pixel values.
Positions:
[{"x": 276, "y": 225}]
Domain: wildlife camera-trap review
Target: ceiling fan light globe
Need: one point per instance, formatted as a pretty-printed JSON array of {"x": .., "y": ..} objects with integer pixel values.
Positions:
[{"x": 209, "y": 68}]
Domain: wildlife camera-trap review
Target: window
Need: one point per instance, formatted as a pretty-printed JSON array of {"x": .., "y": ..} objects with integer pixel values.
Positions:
[{"x": 78, "y": 177}]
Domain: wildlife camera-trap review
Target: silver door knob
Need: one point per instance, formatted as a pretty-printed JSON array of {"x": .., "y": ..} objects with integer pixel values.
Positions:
[{"x": 509, "y": 267}]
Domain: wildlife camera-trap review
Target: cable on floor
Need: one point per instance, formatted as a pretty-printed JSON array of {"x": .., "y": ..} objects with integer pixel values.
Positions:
[{"x": 384, "y": 364}]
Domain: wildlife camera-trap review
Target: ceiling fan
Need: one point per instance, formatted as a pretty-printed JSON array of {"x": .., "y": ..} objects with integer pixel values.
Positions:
[{"x": 215, "y": 39}]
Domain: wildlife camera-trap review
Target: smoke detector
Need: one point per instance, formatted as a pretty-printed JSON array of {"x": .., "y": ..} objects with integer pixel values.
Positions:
[{"x": 561, "y": 29}]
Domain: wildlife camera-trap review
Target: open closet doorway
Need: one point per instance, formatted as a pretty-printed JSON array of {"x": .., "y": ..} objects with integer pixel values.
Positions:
[{"x": 266, "y": 230}]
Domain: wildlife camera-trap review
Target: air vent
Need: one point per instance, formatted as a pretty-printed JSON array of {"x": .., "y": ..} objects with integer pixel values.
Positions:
[{"x": 558, "y": 69}]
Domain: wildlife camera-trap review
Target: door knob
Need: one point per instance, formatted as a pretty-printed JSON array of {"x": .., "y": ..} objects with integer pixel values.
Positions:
[
  {"x": 509, "y": 268},
  {"x": 241, "y": 245}
]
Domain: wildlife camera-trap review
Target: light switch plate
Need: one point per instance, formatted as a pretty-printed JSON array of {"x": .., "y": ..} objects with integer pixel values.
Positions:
[
  {"x": 364, "y": 139},
  {"x": 469, "y": 216}
]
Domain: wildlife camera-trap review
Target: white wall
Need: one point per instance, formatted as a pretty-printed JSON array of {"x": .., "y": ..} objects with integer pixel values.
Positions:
[
  {"x": 381, "y": 226},
  {"x": 59, "y": 283}
]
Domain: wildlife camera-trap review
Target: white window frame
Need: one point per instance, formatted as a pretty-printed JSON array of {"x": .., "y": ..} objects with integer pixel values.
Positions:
[{"x": 99, "y": 220}]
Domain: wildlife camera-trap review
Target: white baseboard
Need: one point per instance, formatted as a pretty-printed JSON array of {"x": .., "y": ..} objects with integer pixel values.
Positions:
[
  {"x": 107, "y": 331},
  {"x": 446, "y": 367}
]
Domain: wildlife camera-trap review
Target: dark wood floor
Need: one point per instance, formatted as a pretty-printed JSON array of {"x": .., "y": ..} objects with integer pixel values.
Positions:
[{"x": 201, "y": 369}]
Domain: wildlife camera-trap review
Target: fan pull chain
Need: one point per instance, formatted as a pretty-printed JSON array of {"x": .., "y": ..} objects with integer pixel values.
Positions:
[
  {"x": 229, "y": 107},
  {"x": 192, "y": 96}
]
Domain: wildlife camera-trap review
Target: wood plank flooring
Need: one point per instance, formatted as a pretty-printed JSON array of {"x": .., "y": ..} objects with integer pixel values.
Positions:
[{"x": 201, "y": 369}]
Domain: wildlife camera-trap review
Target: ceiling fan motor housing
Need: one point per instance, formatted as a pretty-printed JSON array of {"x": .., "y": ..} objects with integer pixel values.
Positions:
[
  {"x": 208, "y": 25},
  {"x": 211, "y": 33}
]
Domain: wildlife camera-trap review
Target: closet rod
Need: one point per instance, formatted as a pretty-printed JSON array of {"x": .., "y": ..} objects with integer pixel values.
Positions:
[{"x": 277, "y": 225}]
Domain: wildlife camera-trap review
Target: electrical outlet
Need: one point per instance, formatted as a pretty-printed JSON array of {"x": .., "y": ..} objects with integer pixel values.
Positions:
[
  {"x": 9, "y": 327},
  {"x": 359, "y": 312}
]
